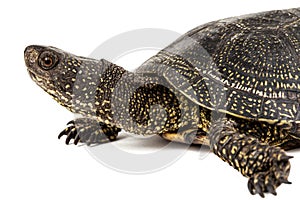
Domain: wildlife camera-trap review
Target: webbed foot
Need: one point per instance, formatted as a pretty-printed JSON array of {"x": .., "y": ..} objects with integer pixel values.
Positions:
[
  {"x": 268, "y": 181},
  {"x": 89, "y": 131}
]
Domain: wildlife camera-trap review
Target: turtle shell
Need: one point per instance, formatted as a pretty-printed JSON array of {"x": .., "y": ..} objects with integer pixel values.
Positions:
[{"x": 247, "y": 66}]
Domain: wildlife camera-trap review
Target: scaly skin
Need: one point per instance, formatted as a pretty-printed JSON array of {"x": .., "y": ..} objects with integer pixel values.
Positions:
[
  {"x": 246, "y": 68},
  {"x": 267, "y": 167},
  {"x": 89, "y": 131}
]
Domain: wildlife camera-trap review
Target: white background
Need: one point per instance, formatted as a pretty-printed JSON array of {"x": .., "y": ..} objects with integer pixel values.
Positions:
[{"x": 35, "y": 165}]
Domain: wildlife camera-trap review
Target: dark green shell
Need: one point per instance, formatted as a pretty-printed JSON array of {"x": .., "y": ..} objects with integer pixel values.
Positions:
[{"x": 246, "y": 66}]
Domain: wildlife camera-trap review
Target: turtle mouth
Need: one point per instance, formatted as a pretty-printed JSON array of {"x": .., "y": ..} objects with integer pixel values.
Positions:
[{"x": 36, "y": 78}]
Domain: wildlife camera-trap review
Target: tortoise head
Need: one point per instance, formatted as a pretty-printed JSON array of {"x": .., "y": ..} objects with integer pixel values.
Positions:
[{"x": 64, "y": 75}]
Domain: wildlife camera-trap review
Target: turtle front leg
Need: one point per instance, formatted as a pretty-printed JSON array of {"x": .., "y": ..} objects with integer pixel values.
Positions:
[
  {"x": 89, "y": 131},
  {"x": 266, "y": 166}
]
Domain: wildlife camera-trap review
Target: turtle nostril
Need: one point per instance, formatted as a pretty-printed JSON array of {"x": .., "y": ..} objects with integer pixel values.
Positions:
[
  {"x": 26, "y": 49},
  {"x": 30, "y": 55}
]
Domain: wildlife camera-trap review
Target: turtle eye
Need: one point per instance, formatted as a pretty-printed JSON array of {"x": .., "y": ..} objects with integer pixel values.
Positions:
[{"x": 47, "y": 60}]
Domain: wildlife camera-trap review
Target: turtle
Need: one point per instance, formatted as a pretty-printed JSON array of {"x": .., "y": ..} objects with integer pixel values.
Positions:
[{"x": 231, "y": 84}]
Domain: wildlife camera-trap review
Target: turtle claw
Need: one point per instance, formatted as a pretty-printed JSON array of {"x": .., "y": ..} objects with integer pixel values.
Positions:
[
  {"x": 286, "y": 182},
  {"x": 76, "y": 139},
  {"x": 286, "y": 157},
  {"x": 256, "y": 185},
  {"x": 72, "y": 122},
  {"x": 272, "y": 190},
  {"x": 71, "y": 135},
  {"x": 260, "y": 191},
  {"x": 70, "y": 132},
  {"x": 66, "y": 131}
]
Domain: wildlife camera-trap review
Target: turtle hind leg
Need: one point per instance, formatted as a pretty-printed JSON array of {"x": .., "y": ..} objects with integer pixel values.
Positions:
[
  {"x": 266, "y": 166},
  {"x": 89, "y": 131}
]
